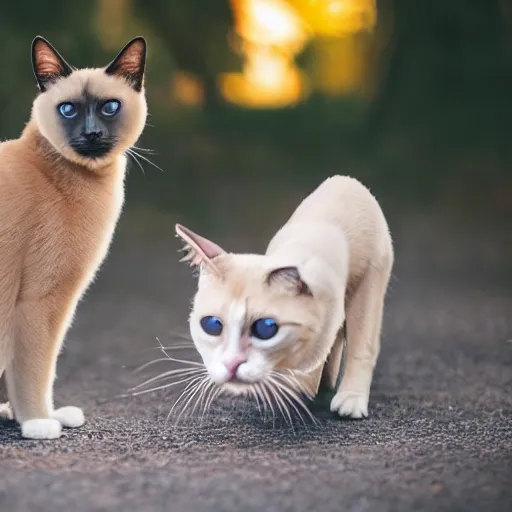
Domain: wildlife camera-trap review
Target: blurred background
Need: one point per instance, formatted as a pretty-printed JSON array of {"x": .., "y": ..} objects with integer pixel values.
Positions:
[{"x": 254, "y": 102}]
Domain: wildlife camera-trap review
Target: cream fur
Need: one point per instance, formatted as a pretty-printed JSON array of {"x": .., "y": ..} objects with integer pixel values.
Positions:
[
  {"x": 339, "y": 241},
  {"x": 58, "y": 212}
]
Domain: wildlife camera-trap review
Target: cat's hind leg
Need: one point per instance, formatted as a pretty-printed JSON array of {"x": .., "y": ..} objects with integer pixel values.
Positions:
[
  {"x": 30, "y": 375},
  {"x": 363, "y": 328},
  {"x": 6, "y": 411},
  {"x": 332, "y": 367}
]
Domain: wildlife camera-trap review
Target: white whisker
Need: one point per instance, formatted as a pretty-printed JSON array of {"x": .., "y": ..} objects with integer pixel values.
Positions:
[
  {"x": 289, "y": 396},
  {"x": 208, "y": 392},
  {"x": 191, "y": 397},
  {"x": 202, "y": 388},
  {"x": 268, "y": 399},
  {"x": 294, "y": 395},
  {"x": 255, "y": 395},
  {"x": 164, "y": 386},
  {"x": 216, "y": 391},
  {"x": 135, "y": 159},
  {"x": 209, "y": 386},
  {"x": 280, "y": 401},
  {"x": 180, "y": 371},
  {"x": 179, "y": 347},
  {"x": 174, "y": 347},
  {"x": 184, "y": 361},
  {"x": 145, "y": 150},
  {"x": 262, "y": 398},
  {"x": 132, "y": 151},
  {"x": 184, "y": 393},
  {"x": 146, "y": 365}
]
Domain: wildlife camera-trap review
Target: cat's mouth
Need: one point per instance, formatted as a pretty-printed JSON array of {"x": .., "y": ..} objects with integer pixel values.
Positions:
[{"x": 96, "y": 149}]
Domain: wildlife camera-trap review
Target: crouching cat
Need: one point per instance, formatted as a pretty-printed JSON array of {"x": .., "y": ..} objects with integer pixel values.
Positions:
[
  {"x": 61, "y": 193},
  {"x": 274, "y": 325}
]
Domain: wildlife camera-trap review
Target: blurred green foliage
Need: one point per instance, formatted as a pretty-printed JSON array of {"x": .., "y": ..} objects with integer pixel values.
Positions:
[{"x": 439, "y": 122}]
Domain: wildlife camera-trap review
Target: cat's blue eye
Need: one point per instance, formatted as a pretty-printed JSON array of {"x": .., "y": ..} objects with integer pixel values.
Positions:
[
  {"x": 111, "y": 108},
  {"x": 211, "y": 325},
  {"x": 67, "y": 110},
  {"x": 264, "y": 328}
]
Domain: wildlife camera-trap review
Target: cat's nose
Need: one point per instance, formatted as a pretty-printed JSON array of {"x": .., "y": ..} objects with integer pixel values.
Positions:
[
  {"x": 232, "y": 366},
  {"x": 93, "y": 136}
]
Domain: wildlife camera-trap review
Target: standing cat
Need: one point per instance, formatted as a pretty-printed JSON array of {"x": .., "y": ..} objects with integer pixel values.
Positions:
[
  {"x": 61, "y": 194},
  {"x": 273, "y": 324}
]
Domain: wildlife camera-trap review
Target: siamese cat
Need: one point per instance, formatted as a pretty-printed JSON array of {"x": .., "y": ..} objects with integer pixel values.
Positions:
[
  {"x": 274, "y": 325},
  {"x": 61, "y": 194}
]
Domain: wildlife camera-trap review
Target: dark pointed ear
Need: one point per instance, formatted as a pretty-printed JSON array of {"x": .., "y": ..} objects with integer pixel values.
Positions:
[
  {"x": 47, "y": 63},
  {"x": 199, "y": 250},
  {"x": 130, "y": 63},
  {"x": 289, "y": 278}
]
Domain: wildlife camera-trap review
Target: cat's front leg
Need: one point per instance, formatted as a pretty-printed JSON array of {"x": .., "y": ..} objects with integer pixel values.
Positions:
[
  {"x": 363, "y": 329},
  {"x": 31, "y": 373}
]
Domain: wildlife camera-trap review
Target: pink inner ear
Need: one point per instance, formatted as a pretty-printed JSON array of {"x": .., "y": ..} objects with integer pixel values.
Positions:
[
  {"x": 207, "y": 247},
  {"x": 130, "y": 64},
  {"x": 200, "y": 249},
  {"x": 130, "y": 60},
  {"x": 47, "y": 62}
]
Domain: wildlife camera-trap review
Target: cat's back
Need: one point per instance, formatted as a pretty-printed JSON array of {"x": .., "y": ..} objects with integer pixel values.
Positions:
[
  {"x": 344, "y": 205},
  {"x": 342, "y": 200}
]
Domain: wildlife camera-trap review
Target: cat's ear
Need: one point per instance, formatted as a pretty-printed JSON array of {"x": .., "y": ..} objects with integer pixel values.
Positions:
[
  {"x": 47, "y": 63},
  {"x": 290, "y": 279},
  {"x": 199, "y": 250},
  {"x": 130, "y": 63}
]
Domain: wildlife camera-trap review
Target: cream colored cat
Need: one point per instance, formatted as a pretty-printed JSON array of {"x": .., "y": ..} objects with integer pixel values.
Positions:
[
  {"x": 61, "y": 193},
  {"x": 276, "y": 320}
]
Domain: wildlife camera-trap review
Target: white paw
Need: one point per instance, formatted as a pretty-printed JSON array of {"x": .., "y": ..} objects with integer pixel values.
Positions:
[
  {"x": 6, "y": 411},
  {"x": 351, "y": 404},
  {"x": 41, "y": 429},
  {"x": 71, "y": 417}
]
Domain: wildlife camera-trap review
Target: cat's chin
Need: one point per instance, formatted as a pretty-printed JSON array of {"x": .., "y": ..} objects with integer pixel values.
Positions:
[
  {"x": 237, "y": 388},
  {"x": 91, "y": 162}
]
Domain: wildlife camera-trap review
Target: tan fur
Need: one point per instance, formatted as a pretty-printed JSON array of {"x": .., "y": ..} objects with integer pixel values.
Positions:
[
  {"x": 58, "y": 212},
  {"x": 339, "y": 241}
]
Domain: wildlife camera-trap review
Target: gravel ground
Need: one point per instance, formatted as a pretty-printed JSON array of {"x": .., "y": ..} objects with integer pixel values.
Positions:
[{"x": 439, "y": 436}]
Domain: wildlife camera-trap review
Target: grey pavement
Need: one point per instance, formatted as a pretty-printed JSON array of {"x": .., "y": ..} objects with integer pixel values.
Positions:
[{"x": 439, "y": 435}]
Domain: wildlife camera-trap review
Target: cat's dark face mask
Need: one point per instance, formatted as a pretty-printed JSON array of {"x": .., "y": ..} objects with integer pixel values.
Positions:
[
  {"x": 90, "y": 116},
  {"x": 90, "y": 125}
]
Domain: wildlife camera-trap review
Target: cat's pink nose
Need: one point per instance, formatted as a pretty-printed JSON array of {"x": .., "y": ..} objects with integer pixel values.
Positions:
[{"x": 232, "y": 366}]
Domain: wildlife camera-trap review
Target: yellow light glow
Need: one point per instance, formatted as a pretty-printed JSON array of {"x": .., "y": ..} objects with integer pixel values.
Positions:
[
  {"x": 268, "y": 81},
  {"x": 186, "y": 90},
  {"x": 339, "y": 66},
  {"x": 267, "y": 70},
  {"x": 337, "y": 17},
  {"x": 269, "y": 23},
  {"x": 271, "y": 33}
]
